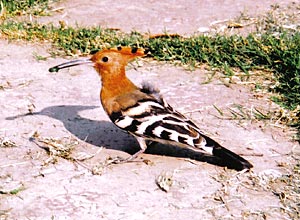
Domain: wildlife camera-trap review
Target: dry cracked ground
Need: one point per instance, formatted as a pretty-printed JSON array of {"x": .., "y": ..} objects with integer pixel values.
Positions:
[{"x": 56, "y": 138}]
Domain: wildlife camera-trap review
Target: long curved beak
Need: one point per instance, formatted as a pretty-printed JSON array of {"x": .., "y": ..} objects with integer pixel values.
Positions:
[{"x": 70, "y": 64}]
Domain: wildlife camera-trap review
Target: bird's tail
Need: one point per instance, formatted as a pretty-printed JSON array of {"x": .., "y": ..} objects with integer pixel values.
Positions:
[{"x": 228, "y": 158}]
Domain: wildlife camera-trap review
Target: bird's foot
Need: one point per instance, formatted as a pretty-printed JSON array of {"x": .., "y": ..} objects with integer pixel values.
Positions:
[
  {"x": 99, "y": 169},
  {"x": 119, "y": 160}
]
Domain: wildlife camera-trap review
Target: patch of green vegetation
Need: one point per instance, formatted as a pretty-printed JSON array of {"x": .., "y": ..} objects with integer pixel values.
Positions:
[
  {"x": 279, "y": 54},
  {"x": 10, "y": 8},
  {"x": 13, "y": 191},
  {"x": 39, "y": 57}
]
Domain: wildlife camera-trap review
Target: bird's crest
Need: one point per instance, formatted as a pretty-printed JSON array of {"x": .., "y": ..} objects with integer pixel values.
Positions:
[
  {"x": 125, "y": 54},
  {"x": 121, "y": 54},
  {"x": 131, "y": 51}
]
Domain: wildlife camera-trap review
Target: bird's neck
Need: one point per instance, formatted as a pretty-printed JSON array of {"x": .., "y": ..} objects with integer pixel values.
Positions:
[{"x": 115, "y": 85}]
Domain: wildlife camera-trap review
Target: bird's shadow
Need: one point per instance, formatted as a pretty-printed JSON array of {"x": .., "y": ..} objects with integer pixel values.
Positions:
[{"x": 105, "y": 133}]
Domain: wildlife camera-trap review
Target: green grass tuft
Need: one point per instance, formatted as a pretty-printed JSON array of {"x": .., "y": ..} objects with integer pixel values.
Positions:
[{"x": 10, "y": 8}]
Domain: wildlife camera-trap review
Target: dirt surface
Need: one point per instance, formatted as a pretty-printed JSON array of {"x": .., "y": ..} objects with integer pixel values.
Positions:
[
  {"x": 65, "y": 111},
  {"x": 181, "y": 16}
]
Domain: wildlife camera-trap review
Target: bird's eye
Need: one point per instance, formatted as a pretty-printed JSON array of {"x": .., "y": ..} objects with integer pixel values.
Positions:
[{"x": 105, "y": 59}]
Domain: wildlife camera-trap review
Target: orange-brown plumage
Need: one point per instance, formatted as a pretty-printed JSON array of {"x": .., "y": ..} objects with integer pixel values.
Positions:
[{"x": 110, "y": 65}]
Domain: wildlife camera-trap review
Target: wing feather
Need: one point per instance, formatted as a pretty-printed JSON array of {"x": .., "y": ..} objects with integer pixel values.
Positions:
[{"x": 152, "y": 118}]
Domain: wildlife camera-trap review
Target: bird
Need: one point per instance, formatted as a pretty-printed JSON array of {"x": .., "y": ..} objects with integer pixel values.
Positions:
[{"x": 143, "y": 112}]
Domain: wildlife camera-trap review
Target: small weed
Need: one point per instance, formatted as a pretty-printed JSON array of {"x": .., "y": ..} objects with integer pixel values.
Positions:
[
  {"x": 7, "y": 143},
  {"x": 39, "y": 57},
  {"x": 14, "y": 191},
  {"x": 56, "y": 147},
  {"x": 239, "y": 112}
]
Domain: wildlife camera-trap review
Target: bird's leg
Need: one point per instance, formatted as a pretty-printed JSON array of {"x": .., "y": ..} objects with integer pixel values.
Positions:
[{"x": 143, "y": 147}]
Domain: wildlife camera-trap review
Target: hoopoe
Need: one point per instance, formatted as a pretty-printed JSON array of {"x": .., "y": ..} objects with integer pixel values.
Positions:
[{"x": 143, "y": 112}]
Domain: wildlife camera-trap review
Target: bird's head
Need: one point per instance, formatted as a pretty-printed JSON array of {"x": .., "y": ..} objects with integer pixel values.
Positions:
[{"x": 107, "y": 60}]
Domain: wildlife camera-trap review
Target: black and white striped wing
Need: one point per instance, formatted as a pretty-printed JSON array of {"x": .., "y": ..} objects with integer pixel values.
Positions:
[
  {"x": 151, "y": 118},
  {"x": 154, "y": 119}
]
